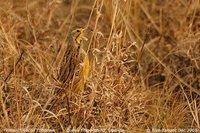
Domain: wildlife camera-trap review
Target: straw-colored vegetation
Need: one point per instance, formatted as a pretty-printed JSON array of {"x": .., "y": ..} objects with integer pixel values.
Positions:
[{"x": 144, "y": 65}]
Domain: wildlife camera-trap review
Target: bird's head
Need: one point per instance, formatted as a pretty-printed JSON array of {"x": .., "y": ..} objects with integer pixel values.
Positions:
[{"x": 78, "y": 34}]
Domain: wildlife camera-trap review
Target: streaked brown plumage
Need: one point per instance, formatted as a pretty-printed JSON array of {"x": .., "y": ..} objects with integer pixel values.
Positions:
[{"x": 69, "y": 63}]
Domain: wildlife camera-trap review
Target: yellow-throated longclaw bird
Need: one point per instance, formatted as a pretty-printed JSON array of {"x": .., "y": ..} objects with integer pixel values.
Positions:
[{"x": 74, "y": 68}]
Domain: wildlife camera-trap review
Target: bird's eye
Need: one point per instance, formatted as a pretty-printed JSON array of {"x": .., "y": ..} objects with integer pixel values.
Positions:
[{"x": 78, "y": 31}]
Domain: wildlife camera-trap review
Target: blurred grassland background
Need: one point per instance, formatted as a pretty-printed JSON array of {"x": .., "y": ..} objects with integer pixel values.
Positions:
[{"x": 144, "y": 63}]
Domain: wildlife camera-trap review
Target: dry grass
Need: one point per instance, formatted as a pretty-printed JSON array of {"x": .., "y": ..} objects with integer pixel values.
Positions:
[{"x": 129, "y": 88}]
